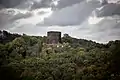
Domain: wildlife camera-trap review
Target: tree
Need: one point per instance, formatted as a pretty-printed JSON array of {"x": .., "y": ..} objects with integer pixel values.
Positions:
[
  {"x": 40, "y": 45},
  {"x": 19, "y": 46}
]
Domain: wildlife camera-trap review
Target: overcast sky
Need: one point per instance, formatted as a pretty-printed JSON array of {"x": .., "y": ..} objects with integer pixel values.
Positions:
[{"x": 97, "y": 20}]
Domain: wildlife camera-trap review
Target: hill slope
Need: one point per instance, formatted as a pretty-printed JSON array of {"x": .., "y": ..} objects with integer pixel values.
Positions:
[{"x": 29, "y": 58}]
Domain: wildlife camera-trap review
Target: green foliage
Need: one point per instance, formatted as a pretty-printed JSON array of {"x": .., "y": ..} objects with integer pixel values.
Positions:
[
  {"x": 6, "y": 37},
  {"x": 30, "y": 58},
  {"x": 63, "y": 66}
]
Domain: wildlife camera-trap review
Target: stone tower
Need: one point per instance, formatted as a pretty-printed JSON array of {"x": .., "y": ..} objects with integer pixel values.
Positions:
[{"x": 53, "y": 37}]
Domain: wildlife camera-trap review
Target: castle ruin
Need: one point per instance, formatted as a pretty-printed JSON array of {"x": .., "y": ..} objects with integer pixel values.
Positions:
[{"x": 53, "y": 37}]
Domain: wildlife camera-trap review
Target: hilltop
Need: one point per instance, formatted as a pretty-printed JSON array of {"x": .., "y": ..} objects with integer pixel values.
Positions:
[{"x": 26, "y": 57}]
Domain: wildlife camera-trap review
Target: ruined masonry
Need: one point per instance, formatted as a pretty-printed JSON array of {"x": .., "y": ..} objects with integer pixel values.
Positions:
[{"x": 53, "y": 37}]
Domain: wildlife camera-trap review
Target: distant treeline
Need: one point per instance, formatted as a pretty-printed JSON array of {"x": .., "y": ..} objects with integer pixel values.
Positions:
[{"x": 6, "y": 37}]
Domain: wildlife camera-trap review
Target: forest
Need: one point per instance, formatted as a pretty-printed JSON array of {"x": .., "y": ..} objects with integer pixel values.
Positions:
[{"x": 24, "y": 57}]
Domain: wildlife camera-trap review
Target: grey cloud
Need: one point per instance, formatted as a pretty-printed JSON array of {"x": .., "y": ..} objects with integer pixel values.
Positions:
[
  {"x": 72, "y": 15},
  {"x": 23, "y": 4},
  {"x": 34, "y": 4},
  {"x": 109, "y": 10},
  {"x": 8, "y": 17},
  {"x": 103, "y": 31},
  {"x": 10, "y": 3},
  {"x": 4, "y": 18},
  {"x": 61, "y": 4},
  {"x": 29, "y": 29},
  {"x": 41, "y": 4},
  {"x": 21, "y": 16},
  {"x": 41, "y": 12},
  {"x": 66, "y": 3},
  {"x": 104, "y": 25}
]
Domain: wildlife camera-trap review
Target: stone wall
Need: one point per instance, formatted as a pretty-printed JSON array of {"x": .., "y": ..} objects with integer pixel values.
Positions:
[{"x": 53, "y": 37}]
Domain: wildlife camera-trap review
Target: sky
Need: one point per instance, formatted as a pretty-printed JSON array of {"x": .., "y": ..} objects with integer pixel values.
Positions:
[{"x": 97, "y": 20}]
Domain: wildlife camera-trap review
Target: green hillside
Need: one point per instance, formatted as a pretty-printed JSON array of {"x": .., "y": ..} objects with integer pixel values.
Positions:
[{"x": 24, "y": 57}]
